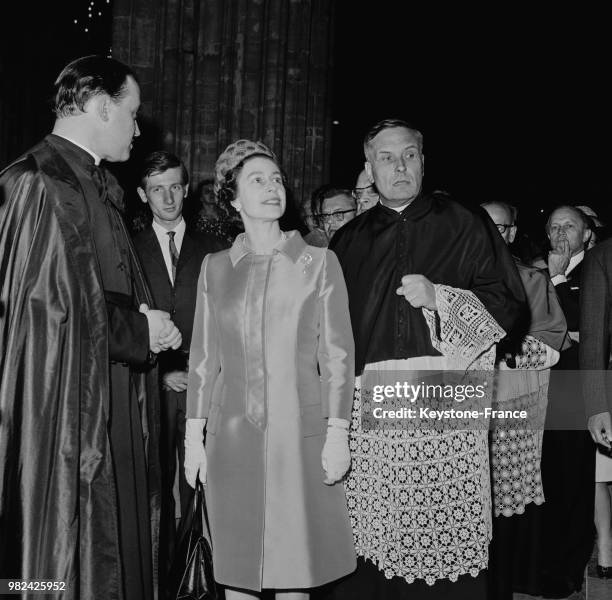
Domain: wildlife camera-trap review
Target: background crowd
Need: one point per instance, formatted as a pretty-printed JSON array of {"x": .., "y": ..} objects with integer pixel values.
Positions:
[{"x": 119, "y": 266}]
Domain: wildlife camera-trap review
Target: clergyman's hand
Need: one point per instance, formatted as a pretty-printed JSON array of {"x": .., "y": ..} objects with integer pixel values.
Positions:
[
  {"x": 600, "y": 426},
  {"x": 158, "y": 321},
  {"x": 559, "y": 258},
  {"x": 170, "y": 337},
  {"x": 419, "y": 291},
  {"x": 175, "y": 380}
]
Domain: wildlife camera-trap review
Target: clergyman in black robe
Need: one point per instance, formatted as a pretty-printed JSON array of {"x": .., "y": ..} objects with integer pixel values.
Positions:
[
  {"x": 431, "y": 284},
  {"x": 79, "y": 473}
]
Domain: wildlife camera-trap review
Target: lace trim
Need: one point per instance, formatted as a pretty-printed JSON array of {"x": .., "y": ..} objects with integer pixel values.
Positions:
[
  {"x": 461, "y": 329},
  {"x": 420, "y": 501},
  {"x": 516, "y": 453}
]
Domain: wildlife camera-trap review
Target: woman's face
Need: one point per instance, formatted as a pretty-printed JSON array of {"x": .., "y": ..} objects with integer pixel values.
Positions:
[{"x": 260, "y": 193}]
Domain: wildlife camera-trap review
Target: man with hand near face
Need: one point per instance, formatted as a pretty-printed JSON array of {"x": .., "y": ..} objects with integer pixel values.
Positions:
[
  {"x": 568, "y": 231},
  {"x": 568, "y": 452},
  {"x": 525, "y": 359},
  {"x": 431, "y": 286},
  {"x": 171, "y": 258},
  {"x": 79, "y": 472}
]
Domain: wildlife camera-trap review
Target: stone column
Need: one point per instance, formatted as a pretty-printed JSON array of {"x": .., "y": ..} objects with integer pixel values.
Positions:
[{"x": 213, "y": 71}]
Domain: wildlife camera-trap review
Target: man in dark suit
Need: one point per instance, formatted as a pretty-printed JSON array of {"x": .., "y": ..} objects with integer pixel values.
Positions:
[
  {"x": 568, "y": 454},
  {"x": 568, "y": 231},
  {"x": 171, "y": 258},
  {"x": 595, "y": 351}
]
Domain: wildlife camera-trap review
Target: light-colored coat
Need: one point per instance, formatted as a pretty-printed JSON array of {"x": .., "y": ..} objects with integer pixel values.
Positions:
[{"x": 262, "y": 324}]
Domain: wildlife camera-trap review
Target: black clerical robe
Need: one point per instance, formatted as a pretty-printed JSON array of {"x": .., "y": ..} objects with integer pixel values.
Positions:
[
  {"x": 435, "y": 237},
  {"x": 455, "y": 247},
  {"x": 78, "y": 417}
]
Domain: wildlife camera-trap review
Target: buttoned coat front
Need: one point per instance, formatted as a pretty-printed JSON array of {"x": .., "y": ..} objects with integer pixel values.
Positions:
[{"x": 263, "y": 325}]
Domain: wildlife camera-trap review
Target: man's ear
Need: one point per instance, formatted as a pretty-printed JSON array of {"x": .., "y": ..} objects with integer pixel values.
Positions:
[
  {"x": 102, "y": 105},
  {"x": 586, "y": 236},
  {"x": 186, "y": 187},
  {"x": 368, "y": 169},
  {"x": 142, "y": 194}
]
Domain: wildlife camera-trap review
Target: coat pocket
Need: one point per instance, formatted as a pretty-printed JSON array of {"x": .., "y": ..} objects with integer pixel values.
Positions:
[{"x": 313, "y": 422}]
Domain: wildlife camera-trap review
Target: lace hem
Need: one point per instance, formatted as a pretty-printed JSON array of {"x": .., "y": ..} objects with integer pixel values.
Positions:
[{"x": 516, "y": 453}]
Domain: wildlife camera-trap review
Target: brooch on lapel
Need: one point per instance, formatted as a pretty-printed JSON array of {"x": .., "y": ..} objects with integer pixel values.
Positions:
[{"x": 305, "y": 259}]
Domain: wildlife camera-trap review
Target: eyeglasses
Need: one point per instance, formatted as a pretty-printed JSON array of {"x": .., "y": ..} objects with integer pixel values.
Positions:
[
  {"x": 503, "y": 227},
  {"x": 336, "y": 216},
  {"x": 360, "y": 192}
]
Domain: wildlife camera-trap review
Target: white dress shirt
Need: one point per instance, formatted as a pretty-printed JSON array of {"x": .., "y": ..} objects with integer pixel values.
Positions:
[
  {"x": 573, "y": 263},
  {"x": 164, "y": 241},
  {"x": 96, "y": 158}
]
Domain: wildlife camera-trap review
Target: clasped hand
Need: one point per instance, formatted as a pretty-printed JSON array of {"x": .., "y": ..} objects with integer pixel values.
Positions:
[
  {"x": 419, "y": 291},
  {"x": 163, "y": 333},
  {"x": 175, "y": 380}
]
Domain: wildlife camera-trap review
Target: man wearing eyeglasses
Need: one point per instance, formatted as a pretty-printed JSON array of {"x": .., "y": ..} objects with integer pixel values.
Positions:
[
  {"x": 332, "y": 208},
  {"x": 525, "y": 357},
  {"x": 504, "y": 217},
  {"x": 365, "y": 193}
]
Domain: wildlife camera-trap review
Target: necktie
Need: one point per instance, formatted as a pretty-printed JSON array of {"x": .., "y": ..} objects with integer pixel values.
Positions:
[{"x": 174, "y": 256}]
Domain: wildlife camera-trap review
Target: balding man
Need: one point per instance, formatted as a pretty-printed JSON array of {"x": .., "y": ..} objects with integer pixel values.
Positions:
[
  {"x": 568, "y": 453},
  {"x": 526, "y": 359},
  {"x": 365, "y": 193}
]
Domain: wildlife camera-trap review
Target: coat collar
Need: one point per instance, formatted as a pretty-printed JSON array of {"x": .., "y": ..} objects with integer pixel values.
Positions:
[
  {"x": 79, "y": 157},
  {"x": 292, "y": 247}
]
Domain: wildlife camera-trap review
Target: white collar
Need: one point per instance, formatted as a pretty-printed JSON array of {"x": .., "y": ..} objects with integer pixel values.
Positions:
[
  {"x": 162, "y": 231},
  {"x": 96, "y": 158},
  {"x": 574, "y": 262},
  {"x": 397, "y": 209}
]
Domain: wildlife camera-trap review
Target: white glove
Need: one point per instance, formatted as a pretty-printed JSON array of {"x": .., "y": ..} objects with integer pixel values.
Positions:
[
  {"x": 195, "y": 455},
  {"x": 336, "y": 457}
]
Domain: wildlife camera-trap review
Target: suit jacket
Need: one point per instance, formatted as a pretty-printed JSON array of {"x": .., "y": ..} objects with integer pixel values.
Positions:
[
  {"x": 596, "y": 328},
  {"x": 178, "y": 300},
  {"x": 569, "y": 297}
]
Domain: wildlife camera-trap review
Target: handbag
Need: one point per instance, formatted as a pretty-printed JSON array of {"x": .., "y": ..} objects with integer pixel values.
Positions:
[{"x": 191, "y": 574}]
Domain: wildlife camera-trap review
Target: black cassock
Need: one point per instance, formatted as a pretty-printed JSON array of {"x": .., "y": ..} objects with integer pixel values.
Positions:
[
  {"x": 79, "y": 474},
  {"x": 435, "y": 237},
  {"x": 450, "y": 245}
]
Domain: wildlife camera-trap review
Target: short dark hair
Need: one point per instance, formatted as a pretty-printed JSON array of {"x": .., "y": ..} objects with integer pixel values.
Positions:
[
  {"x": 86, "y": 77},
  {"x": 392, "y": 124},
  {"x": 159, "y": 162},
  {"x": 321, "y": 194},
  {"x": 226, "y": 193},
  {"x": 585, "y": 220}
]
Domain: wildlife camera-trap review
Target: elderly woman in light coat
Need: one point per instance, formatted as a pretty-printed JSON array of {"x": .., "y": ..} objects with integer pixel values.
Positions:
[{"x": 272, "y": 313}]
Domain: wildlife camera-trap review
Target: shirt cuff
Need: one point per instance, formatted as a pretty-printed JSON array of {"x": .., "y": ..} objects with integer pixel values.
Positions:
[{"x": 557, "y": 279}]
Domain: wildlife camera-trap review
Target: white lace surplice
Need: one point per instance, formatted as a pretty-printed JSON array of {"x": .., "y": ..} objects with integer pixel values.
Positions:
[
  {"x": 516, "y": 453},
  {"x": 420, "y": 500}
]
